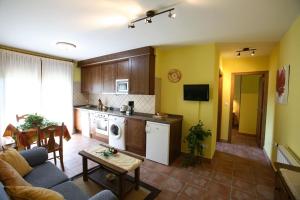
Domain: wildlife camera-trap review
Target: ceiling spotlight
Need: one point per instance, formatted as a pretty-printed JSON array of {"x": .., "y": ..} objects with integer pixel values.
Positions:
[
  {"x": 172, "y": 15},
  {"x": 253, "y": 53},
  {"x": 65, "y": 45},
  {"x": 148, "y": 20},
  {"x": 131, "y": 25},
  {"x": 150, "y": 14}
]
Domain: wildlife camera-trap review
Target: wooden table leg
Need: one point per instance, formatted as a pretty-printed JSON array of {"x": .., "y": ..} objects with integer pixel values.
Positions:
[
  {"x": 137, "y": 178},
  {"x": 121, "y": 187},
  {"x": 84, "y": 168}
]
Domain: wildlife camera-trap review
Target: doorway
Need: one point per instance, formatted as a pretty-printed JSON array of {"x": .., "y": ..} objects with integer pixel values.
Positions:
[{"x": 248, "y": 101}]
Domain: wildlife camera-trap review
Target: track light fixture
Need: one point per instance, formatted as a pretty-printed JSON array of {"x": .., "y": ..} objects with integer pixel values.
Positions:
[
  {"x": 253, "y": 51},
  {"x": 150, "y": 14},
  {"x": 172, "y": 15},
  {"x": 131, "y": 25},
  {"x": 148, "y": 20}
]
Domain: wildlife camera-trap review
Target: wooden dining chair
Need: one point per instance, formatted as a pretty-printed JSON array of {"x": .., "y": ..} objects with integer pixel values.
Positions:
[
  {"x": 46, "y": 138},
  {"x": 21, "y": 117}
]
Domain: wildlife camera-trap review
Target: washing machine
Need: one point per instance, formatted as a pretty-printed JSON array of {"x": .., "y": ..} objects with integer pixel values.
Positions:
[{"x": 116, "y": 132}]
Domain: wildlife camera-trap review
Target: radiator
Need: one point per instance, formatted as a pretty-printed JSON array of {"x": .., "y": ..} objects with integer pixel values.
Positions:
[{"x": 284, "y": 155}]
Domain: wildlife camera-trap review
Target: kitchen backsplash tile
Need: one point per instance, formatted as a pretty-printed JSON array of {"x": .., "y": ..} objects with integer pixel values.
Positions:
[
  {"x": 78, "y": 97},
  {"x": 142, "y": 103}
]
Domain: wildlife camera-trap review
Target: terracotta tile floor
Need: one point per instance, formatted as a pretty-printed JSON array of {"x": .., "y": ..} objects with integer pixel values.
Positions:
[{"x": 237, "y": 171}]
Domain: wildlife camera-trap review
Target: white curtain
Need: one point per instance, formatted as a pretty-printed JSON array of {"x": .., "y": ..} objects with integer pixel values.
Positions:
[
  {"x": 20, "y": 81},
  {"x": 57, "y": 91}
]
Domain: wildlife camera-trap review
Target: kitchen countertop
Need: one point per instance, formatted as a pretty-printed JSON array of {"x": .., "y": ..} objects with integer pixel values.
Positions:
[{"x": 136, "y": 115}]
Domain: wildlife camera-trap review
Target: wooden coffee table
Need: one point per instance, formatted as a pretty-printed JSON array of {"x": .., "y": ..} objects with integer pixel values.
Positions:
[{"x": 123, "y": 182}]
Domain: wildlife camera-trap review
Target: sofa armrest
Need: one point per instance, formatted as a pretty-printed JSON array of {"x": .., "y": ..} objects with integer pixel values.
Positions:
[
  {"x": 35, "y": 156},
  {"x": 104, "y": 195}
]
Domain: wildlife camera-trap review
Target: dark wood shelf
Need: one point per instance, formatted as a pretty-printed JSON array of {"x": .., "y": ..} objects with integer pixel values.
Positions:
[{"x": 98, "y": 176}]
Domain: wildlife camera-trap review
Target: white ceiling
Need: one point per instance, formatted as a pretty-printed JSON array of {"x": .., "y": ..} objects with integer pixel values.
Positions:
[{"x": 99, "y": 27}]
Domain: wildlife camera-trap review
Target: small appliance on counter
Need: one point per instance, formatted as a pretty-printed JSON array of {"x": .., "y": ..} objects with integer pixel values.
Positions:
[
  {"x": 101, "y": 106},
  {"x": 123, "y": 108},
  {"x": 130, "y": 109}
]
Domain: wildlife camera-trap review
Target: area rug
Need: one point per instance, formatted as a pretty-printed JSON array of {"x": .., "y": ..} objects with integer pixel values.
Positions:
[{"x": 145, "y": 192}]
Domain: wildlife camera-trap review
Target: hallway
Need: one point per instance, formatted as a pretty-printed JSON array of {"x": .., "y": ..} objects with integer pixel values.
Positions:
[{"x": 243, "y": 139}]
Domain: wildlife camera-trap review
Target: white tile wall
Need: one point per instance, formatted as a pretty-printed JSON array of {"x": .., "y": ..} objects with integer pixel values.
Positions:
[
  {"x": 142, "y": 103},
  {"x": 78, "y": 97}
]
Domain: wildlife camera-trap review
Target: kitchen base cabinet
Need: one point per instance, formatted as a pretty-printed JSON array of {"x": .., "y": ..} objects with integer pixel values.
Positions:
[
  {"x": 135, "y": 136},
  {"x": 82, "y": 122},
  {"x": 77, "y": 124}
]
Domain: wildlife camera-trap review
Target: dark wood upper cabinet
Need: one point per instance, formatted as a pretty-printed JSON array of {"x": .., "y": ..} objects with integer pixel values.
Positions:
[
  {"x": 141, "y": 75},
  {"x": 84, "y": 79},
  {"x": 135, "y": 136},
  {"x": 123, "y": 69},
  {"x": 137, "y": 65},
  {"x": 91, "y": 79},
  {"x": 108, "y": 77}
]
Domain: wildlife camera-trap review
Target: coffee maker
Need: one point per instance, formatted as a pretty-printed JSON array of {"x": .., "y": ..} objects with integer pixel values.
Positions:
[{"x": 130, "y": 109}]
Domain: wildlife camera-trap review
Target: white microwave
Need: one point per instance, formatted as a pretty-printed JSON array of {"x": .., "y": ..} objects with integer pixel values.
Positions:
[{"x": 122, "y": 86}]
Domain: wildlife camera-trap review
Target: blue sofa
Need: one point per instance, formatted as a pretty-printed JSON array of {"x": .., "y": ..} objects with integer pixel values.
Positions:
[{"x": 47, "y": 175}]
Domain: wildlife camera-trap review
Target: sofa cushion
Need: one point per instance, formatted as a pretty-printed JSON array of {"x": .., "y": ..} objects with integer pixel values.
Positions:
[
  {"x": 3, "y": 194},
  {"x": 9, "y": 176},
  {"x": 46, "y": 175},
  {"x": 32, "y": 193},
  {"x": 35, "y": 156},
  {"x": 104, "y": 195},
  {"x": 70, "y": 191},
  {"x": 17, "y": 161}
]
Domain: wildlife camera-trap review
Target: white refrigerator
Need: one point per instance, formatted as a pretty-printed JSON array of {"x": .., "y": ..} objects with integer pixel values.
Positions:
[{"x": 157, "y": 142}]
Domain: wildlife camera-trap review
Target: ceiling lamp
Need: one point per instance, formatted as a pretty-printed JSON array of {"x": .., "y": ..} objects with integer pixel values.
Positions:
[
  {"x": 65, "y": 45},
  {"x": 253, "y": 51},
  {"x": 172, "y": 15},
  {"x": 148, "y": 20},
  {"x": 150, "y": 14}
]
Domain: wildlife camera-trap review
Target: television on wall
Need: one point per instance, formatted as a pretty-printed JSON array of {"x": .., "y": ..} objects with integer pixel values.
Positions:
[{"x": 196, "y": 92}]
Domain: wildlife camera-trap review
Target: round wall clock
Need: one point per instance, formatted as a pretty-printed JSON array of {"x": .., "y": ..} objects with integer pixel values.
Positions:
[{"x": 174, "y": 75}]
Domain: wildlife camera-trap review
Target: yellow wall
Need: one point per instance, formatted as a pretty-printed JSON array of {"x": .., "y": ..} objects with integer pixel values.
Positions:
[
  {"x": 286, "y": 130},
  {"x": 269, "y": 132},
  {"x": 76, "y": 73},
  {"x": 237, "y": 96},
  {"x": 249, "y": 103},
  {"x": 198, "y": 64},
  {"x": 231, "y": 65}
]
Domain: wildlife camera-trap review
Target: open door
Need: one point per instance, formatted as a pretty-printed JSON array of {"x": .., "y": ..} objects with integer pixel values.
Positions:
[
  {"x": 261, "y": 110},
  {"x": 220, "y": 107}
]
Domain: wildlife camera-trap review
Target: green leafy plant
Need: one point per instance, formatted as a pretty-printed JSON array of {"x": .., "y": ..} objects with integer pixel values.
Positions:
[
  {"x": 197, "y": 134},
  {"x": 33, "y": 121}
]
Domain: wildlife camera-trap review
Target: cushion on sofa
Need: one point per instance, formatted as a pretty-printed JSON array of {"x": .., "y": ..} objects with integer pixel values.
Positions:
[
  {"x": 35, "y": 156},
  {"x": 32, "y": 193},
  {"x": 46, "y": 175},
  {"x": 14, "y": 158},
  {"x": 3, "y": 194},
  {"x": 104, "y": 195},
  {"x": 70, "y": 191},
  {"x": 9, "y": 176}
]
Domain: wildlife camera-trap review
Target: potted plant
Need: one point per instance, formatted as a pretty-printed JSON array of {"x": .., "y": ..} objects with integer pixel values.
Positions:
[
  {"x": 34, "y": 121},
  {"x": 197, "y": 134}
]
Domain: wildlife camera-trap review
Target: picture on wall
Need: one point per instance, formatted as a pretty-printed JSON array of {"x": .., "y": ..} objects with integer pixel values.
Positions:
[{"x": 282, "y": 84}]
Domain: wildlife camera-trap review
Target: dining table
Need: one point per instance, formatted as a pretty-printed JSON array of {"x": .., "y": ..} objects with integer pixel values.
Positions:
[{"x": 25, "y": 138}]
